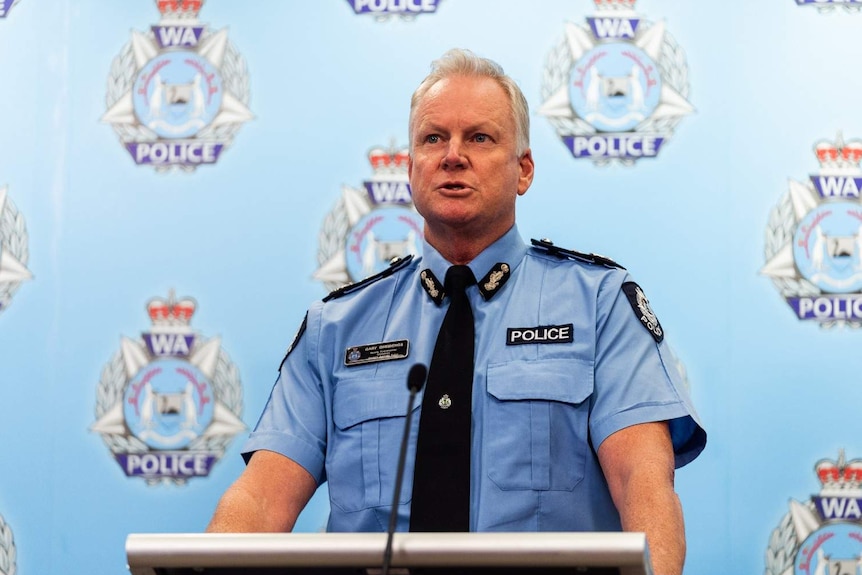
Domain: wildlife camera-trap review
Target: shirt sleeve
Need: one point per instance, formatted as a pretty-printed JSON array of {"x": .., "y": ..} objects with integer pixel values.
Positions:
[
  {"x": 293, "y": 422},
  {"x": 637, "y": 379}
]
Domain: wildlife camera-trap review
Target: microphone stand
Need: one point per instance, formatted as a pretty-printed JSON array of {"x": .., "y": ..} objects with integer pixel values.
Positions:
[{"x": 415, "y": 381}]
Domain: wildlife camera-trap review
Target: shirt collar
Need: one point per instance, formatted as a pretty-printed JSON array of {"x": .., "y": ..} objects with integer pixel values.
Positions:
[{"x": 508, "y": 250}]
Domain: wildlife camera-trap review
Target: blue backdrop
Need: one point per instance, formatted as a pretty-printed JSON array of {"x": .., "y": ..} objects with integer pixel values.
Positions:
[{"x": 291, "y": 96}]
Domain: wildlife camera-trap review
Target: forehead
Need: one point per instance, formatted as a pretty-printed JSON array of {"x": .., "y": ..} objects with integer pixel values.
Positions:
[{"x": 464, "y": 99}]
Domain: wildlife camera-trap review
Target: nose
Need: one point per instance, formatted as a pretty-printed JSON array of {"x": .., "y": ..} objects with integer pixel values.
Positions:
[{"x": 454, "y": 157}]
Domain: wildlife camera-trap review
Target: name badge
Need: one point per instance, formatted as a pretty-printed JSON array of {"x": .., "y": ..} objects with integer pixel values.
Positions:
[
  {"x": 376, "y": 352},
  {"x": 540, "y": 334}
]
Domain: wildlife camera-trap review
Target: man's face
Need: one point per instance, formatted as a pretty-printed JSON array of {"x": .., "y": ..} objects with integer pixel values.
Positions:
[{"x": 465, "y": 172}]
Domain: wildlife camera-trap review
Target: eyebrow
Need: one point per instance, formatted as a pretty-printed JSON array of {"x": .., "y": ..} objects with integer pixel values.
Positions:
[{"x": 484, "y": 126}]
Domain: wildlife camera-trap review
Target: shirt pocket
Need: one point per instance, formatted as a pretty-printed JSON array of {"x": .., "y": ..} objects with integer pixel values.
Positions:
[
  {"x": 369, "y": 416},
  {"x": 536, "y": 425}
]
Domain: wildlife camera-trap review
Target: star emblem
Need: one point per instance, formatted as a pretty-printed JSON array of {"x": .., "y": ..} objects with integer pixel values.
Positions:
[
  {"x": 14, "y": 252},
  {"x": 179, "y": 106}
]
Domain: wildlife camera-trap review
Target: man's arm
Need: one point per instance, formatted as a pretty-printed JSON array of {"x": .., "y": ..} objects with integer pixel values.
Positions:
[
  {"x": 638, "y": 464},
  {"x": 267, "y": 497}
]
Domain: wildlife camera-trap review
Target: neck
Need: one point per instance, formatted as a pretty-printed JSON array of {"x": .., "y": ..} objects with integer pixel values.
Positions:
[{"x": 459, "y": 248}]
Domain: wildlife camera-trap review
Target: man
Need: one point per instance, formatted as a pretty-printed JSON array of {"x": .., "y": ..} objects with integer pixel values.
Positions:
[{"x": 578, "y": 416}]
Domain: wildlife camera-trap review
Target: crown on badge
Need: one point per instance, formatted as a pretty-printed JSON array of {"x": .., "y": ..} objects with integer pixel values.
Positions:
[
  {"x": 838, "y": 154},
  {"x": 388, "y": 160},
  {"x": 171, "y": 312},
  {"x": 615, "y": 4},
  {"x": 839, "y": 475},
  {"x": 173, "y": 9}
]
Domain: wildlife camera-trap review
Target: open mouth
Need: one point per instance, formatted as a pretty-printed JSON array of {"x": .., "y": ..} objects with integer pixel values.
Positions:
[{"x": 453, "y": 186}]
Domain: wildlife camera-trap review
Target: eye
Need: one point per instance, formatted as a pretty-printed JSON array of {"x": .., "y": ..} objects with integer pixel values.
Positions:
[
  {"x": 432, "y": 138},
  {"x": 481, "y": 138}
]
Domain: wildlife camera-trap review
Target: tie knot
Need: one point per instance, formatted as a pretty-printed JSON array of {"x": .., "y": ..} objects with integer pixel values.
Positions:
[{"x": 458, "y": 278}]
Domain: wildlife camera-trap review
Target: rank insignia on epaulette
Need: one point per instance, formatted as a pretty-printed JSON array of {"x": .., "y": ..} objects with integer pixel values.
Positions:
[
  {"x": 394, "y": 266},
  {"x": 562, "y": 253}
]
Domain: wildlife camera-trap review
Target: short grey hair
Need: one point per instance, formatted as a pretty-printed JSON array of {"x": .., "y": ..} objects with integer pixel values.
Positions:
[{"x": 462, "y": 62}]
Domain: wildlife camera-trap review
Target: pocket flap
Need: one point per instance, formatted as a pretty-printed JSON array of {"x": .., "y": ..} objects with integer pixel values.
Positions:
[
  {"x": 358, "y": 400},
  {"x": 566, "y": 380}
]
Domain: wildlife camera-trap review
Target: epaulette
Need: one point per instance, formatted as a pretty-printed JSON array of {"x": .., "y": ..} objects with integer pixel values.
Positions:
[
  {"x": 562, "y": 253},
  {"x": 395, "y": 265}
]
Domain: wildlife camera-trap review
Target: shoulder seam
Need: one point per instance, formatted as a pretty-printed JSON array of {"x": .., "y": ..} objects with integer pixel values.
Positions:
[
  {"x": 548, "y": 247},
  {"x": 352, "y": 287}
]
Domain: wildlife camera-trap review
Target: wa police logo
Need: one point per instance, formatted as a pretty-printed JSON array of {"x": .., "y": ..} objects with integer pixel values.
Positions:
[
  {"x": 616, "y": 88},
  {"x": 7, "y": 549},
  {"x": 370, "y": 226},
  {"x": 169, "y": 403},
  {"x": 5, "y": 6},
  {"x": 385, "y": 9},
  {"x": 824, "y": 535},
  {"x": 13, "y": 249},
  {"x": 814, "y": 239},
  {"x": 178, "y": 94},
  {"x": 826, "y": 6}
]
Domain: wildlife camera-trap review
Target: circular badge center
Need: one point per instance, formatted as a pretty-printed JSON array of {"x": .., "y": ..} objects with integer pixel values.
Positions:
[
  {"x": 833, "y": 549},
  {"x": 177, "y": 94},
  {"x": 827, "y": 247},
  {"x": 168, "y": 403},
  {"x": 615, "y": 87},
  {"x": 380, "y": 236}
]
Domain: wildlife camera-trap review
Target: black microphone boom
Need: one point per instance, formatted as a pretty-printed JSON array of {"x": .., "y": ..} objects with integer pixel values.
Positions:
[{"x": 415, "y": 381}]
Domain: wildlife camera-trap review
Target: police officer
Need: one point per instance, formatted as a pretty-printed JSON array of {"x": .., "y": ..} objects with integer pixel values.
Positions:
[{"x": 578, "y": 414}]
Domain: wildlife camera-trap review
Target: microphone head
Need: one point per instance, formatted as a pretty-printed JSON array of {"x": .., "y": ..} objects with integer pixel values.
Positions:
[{"x": 416, "y": 377}]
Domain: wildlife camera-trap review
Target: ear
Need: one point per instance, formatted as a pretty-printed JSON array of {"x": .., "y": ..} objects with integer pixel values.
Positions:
[{"x": 527, "y": 169}]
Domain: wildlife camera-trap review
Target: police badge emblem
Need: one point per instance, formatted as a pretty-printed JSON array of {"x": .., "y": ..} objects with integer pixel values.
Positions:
[
  {"x": 370, "y": 227},
  {"x": 5, "y": 6},
  {"x": 384, "y": 9},
  {"x": 826, "y": 6},
  {"x": 813, "y": 245},
  {"x": 823, "y": 535},
  {"x": 7, "y": 549},
  {"x": 169, "y": 403},
  {"x": 616, "y": 88},
  {"x": 13, "y": 249},
  {"x": 178, "y": 94}
]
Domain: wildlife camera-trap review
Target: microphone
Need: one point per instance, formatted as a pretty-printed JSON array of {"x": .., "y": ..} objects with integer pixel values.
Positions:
[{"x": 415, "y": 381}]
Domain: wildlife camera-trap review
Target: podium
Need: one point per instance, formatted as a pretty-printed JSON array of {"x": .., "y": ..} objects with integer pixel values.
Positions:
[{"x": 412, "y": 554}]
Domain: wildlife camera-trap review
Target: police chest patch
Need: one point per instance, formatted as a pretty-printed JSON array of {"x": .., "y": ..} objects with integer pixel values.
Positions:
[
  {"x": 643, "y": 311},
  {"x": 540, "y": 334},
  {"x": 376, "y": 352}
]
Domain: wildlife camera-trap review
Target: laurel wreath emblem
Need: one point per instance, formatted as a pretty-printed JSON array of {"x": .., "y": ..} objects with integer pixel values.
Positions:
[
  {"x": 673, "y": 68},
  {"x": 333, "y": 237},
  {"x": 829, "y": 8},
  {"x": 7, "y": 549},
  {"x": 783, "y": 546},
  {"x": 234, "y": 73},
  {"x": 227, "y": 389},
  {"x": 13, "y": 239}
]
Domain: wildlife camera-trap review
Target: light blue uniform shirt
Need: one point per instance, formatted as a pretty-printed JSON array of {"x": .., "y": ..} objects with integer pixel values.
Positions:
[{"x": 540, "y": 410}]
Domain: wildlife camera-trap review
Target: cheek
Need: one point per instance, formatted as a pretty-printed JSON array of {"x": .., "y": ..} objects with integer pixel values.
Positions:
[
  {"x": 419, "y": 180},
  {"x": 417, "y": 190}
]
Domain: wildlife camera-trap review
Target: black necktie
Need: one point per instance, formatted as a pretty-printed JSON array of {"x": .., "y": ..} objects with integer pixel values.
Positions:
[{"x": 441, "y": 476}]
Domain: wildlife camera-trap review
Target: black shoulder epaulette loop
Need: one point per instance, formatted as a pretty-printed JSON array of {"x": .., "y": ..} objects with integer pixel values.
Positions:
[
  {"x": 394, "y": 266},
  {"x": 562, "y": 253}
]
